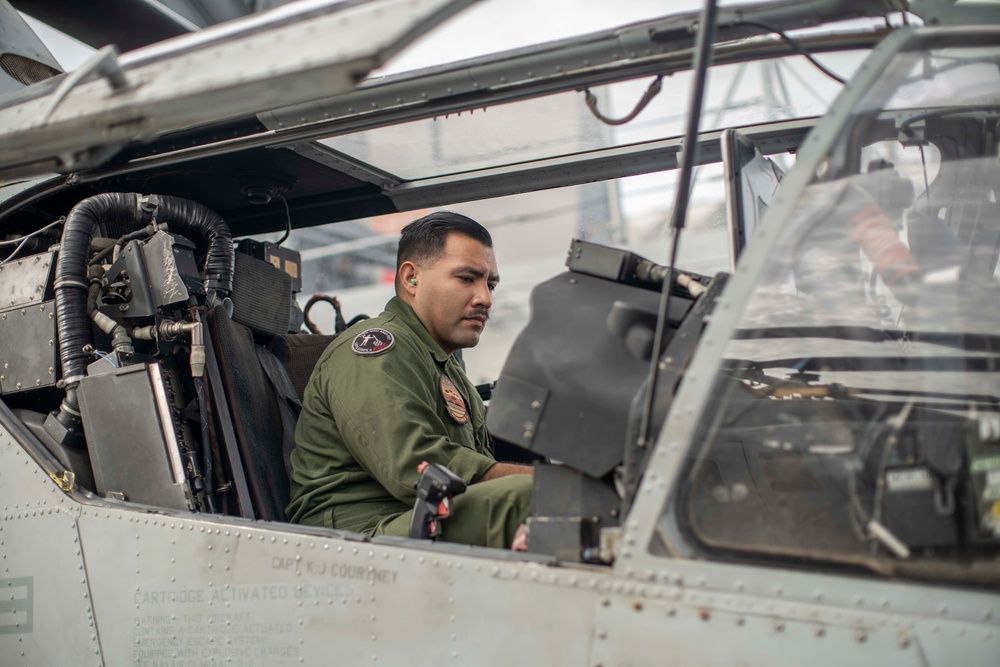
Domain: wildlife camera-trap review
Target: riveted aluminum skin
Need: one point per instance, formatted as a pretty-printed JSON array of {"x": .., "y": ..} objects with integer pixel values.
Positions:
[
  {"x": 25, "y": 282},
  {"x": 174, "y": 588},
  {"x": 44, "y": 586},
  {"x": 28, "y": 367},
  {"x": 158, "y": 586}
]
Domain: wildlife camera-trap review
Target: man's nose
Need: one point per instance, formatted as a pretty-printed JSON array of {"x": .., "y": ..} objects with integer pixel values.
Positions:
[{"x": 483, "y": 298}]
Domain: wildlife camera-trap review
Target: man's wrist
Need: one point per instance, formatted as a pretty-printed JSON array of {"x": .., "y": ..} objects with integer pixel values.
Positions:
[{"x": 498, "y": 470}]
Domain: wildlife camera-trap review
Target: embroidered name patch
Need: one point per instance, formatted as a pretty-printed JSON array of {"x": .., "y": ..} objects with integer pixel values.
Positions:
[
  {"x": 372, "y": 341},
  {"x": 453, "y": 401}
]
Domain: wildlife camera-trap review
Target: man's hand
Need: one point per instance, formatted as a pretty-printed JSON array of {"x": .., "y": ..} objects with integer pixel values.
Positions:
[
  {"x": 520, "y": 542},
  {"x": 498, "y": 470}
]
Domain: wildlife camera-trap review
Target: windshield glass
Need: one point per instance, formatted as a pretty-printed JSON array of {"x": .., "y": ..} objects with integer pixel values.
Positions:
[
  {"x": 858, "y": 407},
  {"x": 562, "y": 125}
]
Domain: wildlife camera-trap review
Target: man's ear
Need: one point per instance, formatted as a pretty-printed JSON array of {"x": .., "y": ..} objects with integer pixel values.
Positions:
[{"x": 408, "y": 278}]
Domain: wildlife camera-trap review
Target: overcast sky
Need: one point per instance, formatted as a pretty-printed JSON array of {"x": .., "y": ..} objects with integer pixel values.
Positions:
[{"x": 497, "y": 25}]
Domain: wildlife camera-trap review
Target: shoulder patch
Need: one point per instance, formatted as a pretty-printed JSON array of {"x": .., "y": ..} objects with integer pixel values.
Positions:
[
  {"x": 453, "y": 401},
  {"x": 372, "y": 341}
]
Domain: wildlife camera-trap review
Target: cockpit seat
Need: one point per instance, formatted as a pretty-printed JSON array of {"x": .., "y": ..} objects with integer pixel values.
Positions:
[
  {"x": 256, "y": 414},
  {"x": 263, "y": 372}
]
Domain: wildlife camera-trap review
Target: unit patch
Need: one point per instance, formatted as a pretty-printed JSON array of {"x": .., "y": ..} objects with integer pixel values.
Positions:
[
  {"x": 372, "y": 341},
  {"x": 453, "y": 400}
]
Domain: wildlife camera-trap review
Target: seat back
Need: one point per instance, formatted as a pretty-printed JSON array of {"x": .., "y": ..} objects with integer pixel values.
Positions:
[
  {"x": 298, "y": 353},
  {"x": 255, "y": 414}
]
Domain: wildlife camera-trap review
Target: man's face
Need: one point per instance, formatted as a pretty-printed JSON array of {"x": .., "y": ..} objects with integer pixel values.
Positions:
[{"x": 453, "y": 294}]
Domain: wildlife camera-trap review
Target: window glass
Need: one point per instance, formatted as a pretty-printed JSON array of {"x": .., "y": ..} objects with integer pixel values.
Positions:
[
  {"x": 562, "y": 125},
  {"x": 856, "y": 415}
]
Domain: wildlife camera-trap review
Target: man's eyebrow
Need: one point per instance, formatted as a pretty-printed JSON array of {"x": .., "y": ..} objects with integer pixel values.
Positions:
[{"x": 477, "y": 272}]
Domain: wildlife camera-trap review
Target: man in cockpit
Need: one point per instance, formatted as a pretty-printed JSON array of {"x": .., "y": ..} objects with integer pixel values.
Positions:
[{"x": 388, "y": 394}]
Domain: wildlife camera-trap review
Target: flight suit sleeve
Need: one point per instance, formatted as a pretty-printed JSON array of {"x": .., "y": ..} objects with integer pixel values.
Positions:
[{"x": 388, "y": 415}]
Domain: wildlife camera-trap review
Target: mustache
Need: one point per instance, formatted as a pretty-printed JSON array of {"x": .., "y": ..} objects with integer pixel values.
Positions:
[{"x": 477, "y": 314}]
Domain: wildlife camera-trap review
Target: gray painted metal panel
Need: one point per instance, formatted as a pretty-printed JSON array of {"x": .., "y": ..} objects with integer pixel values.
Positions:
[
  {"x": 134, "y": 450},
  {"x": 164, "y": 583},
  {"x": 739, "y": 630},
  {"x": 26, "y": 367},
  {"x": 44, "y": 589},
  {"x": 181, "y": 588},
  {"x": 26, "y": 285},
  {"x": 277, "y": 65},
  {"x": 27, "y": 487},
  {"x": 947, "y": 623},
  {"x": 41, "y": 556},
  {"x": 842, "y": 591},
  {"x": 630, "y": 633}
]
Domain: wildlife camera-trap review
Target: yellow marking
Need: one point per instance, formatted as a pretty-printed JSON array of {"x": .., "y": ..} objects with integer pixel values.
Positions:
[{"x": 65, "y": 479}]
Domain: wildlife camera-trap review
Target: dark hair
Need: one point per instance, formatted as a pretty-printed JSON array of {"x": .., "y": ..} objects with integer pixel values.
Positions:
[{"x": 424, "y": 239}]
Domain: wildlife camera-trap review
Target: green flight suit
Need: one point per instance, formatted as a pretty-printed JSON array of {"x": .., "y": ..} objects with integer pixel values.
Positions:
[{"x": 369, "y": 419}]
